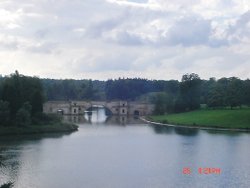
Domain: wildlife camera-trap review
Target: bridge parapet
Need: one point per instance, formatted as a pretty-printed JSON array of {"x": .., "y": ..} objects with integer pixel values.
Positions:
[{"x": 116, "y": 107}]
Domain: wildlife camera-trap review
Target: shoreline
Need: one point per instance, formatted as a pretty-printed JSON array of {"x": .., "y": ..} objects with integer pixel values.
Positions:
[
  {"x": 38, "y": 129},
  {"x": 194, "y": 127}
]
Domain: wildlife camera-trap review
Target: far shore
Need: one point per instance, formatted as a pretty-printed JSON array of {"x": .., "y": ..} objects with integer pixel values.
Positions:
[
  {"x": 145, "y": 119},
  {"x": 224, "y": 120},
  {"x": 38, "y": 129}
]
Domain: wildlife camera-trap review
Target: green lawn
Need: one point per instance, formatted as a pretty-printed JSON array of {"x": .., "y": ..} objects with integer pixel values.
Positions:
[{"x": 238, "y": 118}]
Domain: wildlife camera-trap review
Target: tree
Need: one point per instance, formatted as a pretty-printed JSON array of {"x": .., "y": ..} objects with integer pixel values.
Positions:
[
  {"x": 206, "y": 87},
  {"x": 4, "y": 113},
  {"x": 23, "y": 116},
  {"x": 24, "y": 96},
  {"x": 234, "y": 92},
  {"x": 190, "y": 90},
  {"x": 216, "y": 97},
  {"x": 12, "y": 92},
  {"x": 164, "y": 102},
  {"x": 246, "y": 92},
  {"x": 37, "y": 102},
  {"x": 160, "y": 104},
  {"x": 89, "y": 91}
]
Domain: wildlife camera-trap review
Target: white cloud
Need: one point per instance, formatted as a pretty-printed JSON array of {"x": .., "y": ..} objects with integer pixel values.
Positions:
[{"x": 100, "y": 39}]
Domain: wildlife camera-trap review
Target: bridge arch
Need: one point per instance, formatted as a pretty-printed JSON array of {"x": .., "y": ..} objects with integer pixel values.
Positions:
[
  {"x": 114, "y": 107},
  {"x": 136, "y": 113},
  {"x": 108, "y": 111}
]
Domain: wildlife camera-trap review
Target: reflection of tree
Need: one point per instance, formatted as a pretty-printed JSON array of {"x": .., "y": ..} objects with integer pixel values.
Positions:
[
  {"x": 159, "y": 129},
  {"x": 186, "y": 131},
  {"x": 229, "y": 133},
  {"x": 9, "y": 167},
  {"x": 2, "y": 165},
  {"x": 7, "y": 185},
  {"x": 10, "y": 156},
  {"x": 1, "y": 161}
]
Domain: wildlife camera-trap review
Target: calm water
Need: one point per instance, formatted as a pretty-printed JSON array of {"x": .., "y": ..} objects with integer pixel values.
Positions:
[{"x": 123, "y": 152}]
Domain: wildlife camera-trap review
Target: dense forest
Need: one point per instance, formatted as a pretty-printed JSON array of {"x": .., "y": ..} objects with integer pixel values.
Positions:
[
  {"x": 21, "y": 94},
  {"x": 169, "y": 96},
  {"x": 21, "y": 101}
]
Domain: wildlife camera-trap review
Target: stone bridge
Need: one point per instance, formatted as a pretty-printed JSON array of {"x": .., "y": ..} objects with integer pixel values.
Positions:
[{"x": 115, "y": 107}]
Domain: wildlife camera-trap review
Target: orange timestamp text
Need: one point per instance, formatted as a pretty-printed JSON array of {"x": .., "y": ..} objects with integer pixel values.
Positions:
[{"x": 201, "y": 170}]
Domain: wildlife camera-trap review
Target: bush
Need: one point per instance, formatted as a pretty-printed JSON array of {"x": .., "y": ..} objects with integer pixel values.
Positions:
[
  {"x": 165, "y": 121},
  {"x": 23, "y": 118},
  {"x": 42, "y": 118}
]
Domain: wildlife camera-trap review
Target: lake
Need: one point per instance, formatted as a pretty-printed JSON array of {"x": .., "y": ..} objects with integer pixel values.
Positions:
[{"x": 122, "y": 152}]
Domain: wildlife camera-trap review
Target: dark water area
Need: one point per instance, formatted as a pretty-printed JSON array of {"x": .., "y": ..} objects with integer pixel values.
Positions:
[{"x": 122, "y": 152}]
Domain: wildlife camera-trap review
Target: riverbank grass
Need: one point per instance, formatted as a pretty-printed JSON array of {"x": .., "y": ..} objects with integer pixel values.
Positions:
[
  {"x": 234, "y": 119},
  {"x": 39, "y": 129}
]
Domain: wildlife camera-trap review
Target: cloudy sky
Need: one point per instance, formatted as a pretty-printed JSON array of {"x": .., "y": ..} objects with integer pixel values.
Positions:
[{"x": 101, "y": 39}]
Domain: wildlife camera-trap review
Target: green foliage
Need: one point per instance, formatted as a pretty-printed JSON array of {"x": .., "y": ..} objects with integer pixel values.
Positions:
[
  {"x": 69, "y": 89},
  {"x": 21, "y": 106},
  {"x": 35, "y": 129},
  {"x": 246, "y": 92},
  {"x": 89, "y": 92},
  {"x": 18, "y": 89},
  {"x": 234, "y": 92},
  {"x": 190, "y": 91},
  {"x": 23, "y": 97},
  {"x": 36, "y": 102},
  {"x": 4, "y": 113},
  {"x": 169, "y": 96},
  {"x": 131, "y": 89},
  {"x": 23, "y": 117},
  {"x": 227, "y": 92},
  {"x": 216, "y": 96},
  {"x": 163, "y": 103},
  {"x": 43, "y": 119}
]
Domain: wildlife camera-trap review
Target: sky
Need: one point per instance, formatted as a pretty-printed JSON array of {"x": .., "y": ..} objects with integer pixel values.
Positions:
[{"x": 103, "y": 39}]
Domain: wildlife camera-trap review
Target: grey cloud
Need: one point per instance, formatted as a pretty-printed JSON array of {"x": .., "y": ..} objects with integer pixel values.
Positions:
[
  {"x": 46, "y": 48},
  {"x": 189, "y": 31},
  {"x": 96, "y": 30},
  {"x": 216, "y": 43},
  {"x": 9, "y": 45},
  {"x": 138, "y": 1},
  {"x": 115, "y": 37},
  {"x": 105, "y": 62},
  {"x": 241, "y": 29},
  {"x": 126, "y": 38}
]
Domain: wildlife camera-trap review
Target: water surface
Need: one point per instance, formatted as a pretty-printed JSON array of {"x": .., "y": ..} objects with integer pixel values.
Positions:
[{"x": 123, "y": 152}]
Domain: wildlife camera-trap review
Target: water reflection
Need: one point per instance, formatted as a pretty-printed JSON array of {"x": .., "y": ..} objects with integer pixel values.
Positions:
[
  {"x": 9, "y": 165},
  {"x": 230, "y": 133},
  {"x": 12, "y": 150},
  {"x": 98, "y": 116},
  {"x": 186, "y": 131},
  {"x": 159, "y": 129},
  {"x": 124, "y": 152}
]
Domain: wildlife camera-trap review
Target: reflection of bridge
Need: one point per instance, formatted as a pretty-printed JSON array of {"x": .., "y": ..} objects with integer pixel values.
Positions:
[
  {"x": 116, "y": 107},
  {"x": 112, "y": 120}
]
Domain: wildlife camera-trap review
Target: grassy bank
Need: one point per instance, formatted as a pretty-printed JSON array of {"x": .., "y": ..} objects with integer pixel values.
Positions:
[
  {"x": 39, "y": 129},
  {"x": 238, "y": 118}
]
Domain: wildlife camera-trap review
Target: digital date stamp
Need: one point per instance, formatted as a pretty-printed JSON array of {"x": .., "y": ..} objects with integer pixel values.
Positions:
[{"x": 201, "y": 170}]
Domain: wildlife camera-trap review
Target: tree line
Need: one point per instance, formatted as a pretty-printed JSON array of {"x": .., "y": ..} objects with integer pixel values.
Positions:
[
  {"x": 193, "y": 91},
  {"x": 21, "y": 97}
]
